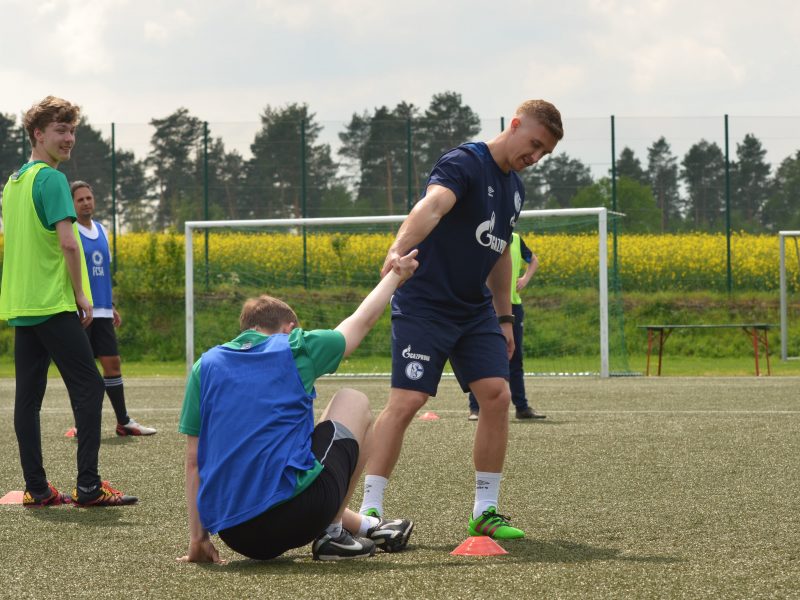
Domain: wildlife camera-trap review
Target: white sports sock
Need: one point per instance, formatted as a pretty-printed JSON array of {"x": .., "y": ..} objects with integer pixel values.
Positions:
[
  {"x": 374, "y": 487},
  {"x": 334, "y": 529},
  {"x": 367, "y": 523},
  {"x": 487, "y": 490}
]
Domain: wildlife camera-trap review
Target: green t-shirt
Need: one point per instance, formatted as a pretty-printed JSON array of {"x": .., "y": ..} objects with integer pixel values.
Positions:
[
  {"x": 315, "y": 353},
  {"x": 53, "y": 203}
]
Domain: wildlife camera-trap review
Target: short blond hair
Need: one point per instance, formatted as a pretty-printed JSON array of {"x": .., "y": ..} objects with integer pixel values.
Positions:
[
  {"x": 50, "y": 110},
  {"x": 267, "y": 313},
  {"x": 544, "y": 112}
]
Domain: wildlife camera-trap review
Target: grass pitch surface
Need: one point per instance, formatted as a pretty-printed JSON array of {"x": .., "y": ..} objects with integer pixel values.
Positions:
[{"x": 672, "y": 487}]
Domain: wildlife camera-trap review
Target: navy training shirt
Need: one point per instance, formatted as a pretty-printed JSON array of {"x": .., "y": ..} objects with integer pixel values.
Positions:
[{"x": 457, "y": 256}]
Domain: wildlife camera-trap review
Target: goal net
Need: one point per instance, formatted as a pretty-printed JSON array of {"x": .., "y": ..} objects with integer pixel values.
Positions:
[
  {"x": 789, "y": 287},
  {"x": 323, "y": 268}
]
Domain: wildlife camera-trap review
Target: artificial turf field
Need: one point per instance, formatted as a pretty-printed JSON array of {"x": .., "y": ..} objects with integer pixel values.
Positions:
[{"x": 632, "y": 488}]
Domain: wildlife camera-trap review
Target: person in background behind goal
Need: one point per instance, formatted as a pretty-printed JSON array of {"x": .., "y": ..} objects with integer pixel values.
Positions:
[
  {"x": 457, "y": 306},
  {"x": 257, "y": 470},
  {"x": 105, "y": 316},
  {"x": 45, "y": 296},
  {"x": 521, "y": 258}
]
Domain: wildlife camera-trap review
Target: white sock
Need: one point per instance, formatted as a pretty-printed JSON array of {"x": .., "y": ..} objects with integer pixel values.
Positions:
[
  {"x": 374, "y": 487},
  {"x": 334, "y": 529},
  {"x": 487, "y": 489},
  {"x": 367, "y": 523}
]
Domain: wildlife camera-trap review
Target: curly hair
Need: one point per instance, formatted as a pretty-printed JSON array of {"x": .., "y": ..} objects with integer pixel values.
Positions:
[{"x": 50, "y": 110}]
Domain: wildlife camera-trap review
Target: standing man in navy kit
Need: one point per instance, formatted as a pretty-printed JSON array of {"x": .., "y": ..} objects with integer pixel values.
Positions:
[
  {"x": 457, "y": 306},
  {"x": 520, "y": 254}
]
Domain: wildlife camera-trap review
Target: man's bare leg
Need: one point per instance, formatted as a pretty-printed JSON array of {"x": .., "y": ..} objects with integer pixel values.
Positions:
[
  {"x": 351, "y": 408},
  {"x": 489, "y": 452},
  {"x": 491, "y": 436},
  {"x": 390, "y": 428}
]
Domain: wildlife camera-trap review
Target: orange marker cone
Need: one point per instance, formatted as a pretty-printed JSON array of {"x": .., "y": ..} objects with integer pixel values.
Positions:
[
  {"x": 429, "y": 416},
  {"x": 12, "y": 498},
  {"x": 478, "y": 545}
]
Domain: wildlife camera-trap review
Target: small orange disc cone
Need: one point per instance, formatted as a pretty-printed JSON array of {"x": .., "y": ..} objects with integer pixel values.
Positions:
[
  {"x": 429, "y": 416},
  {"x": 12, "y": 498},
  {"x": 478, "y": 545}
]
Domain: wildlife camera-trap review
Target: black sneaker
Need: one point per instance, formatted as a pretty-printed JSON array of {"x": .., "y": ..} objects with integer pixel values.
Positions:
[
  {"x": 391, "y": 535},
  {"x": 343, "y": 547},
  {"x": 529, "y": 413}
]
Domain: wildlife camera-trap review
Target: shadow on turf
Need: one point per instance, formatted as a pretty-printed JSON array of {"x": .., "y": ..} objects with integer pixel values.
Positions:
[
  {"x": 108, "y": 516},
  {"x": 561, "y": 551},
  {"x": 116, "y": 440},
  {"x": 519, "y": 551}
]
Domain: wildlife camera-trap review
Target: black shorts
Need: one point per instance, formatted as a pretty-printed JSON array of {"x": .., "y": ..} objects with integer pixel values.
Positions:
[
  {"x": 102, "y": 337},
  {"x": 301, "y": 520}
]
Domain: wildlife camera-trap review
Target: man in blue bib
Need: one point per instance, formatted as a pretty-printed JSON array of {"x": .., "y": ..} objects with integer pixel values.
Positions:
[
  {"x": 105, "y": 316},
  {"x": 457, "y": 306},
  {"x": 257, "y": 470}
]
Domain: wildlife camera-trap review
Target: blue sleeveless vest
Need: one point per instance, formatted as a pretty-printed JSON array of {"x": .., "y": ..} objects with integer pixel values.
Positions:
[
  {"x": 98, "y": 262},
  {"x": 256, "y": 421}
]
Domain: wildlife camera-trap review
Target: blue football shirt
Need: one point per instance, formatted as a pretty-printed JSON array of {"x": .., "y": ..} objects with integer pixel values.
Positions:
[{"x": 457, "y": 256}]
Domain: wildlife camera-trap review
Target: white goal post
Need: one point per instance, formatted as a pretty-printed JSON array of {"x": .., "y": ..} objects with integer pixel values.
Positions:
[
  {"x": 782, "y": 235},
  {"x": 602, "y": 226}
]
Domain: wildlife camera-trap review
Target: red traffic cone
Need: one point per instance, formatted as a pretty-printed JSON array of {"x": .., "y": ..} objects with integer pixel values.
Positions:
[
  {"x": 429, "y": 416},
  {"x": 14, "y": 497},
  {"x": 478, "y": 545}
]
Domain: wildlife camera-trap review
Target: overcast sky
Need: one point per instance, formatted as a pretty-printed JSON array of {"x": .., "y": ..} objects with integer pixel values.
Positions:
[{"x": 128, "y": 61}]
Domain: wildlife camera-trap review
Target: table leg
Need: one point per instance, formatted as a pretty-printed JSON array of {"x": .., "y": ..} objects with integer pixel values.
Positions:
[
  {"x": 753, "y": 333},
  {"x": 649, "y": 348}
]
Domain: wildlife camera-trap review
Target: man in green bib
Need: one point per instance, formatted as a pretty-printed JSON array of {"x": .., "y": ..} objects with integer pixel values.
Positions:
[{"x": 45, "y": 296}]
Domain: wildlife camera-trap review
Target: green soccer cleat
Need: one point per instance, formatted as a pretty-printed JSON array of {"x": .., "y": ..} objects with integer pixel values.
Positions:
[{"x": 494, "y": 525}]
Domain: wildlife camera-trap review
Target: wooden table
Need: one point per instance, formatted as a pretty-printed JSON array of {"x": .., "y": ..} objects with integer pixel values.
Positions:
[{"x": 757, "y": 332}]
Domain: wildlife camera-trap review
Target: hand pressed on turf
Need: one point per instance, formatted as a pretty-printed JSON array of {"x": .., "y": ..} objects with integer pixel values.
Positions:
[{"x": 202, "y": 551}]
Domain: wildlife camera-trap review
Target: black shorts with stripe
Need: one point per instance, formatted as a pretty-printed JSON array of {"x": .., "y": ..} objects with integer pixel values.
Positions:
[{"x": 300, "y": 520}]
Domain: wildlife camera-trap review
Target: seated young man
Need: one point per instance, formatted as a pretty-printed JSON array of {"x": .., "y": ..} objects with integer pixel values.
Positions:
[{"x": 258, "y": 472}]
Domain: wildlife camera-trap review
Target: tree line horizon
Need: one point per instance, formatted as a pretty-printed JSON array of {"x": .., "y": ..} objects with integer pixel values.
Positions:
[{"x": 383, "y": 162}]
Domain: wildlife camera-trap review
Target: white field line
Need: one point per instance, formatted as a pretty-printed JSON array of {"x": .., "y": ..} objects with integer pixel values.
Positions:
[{"x": 465, "y": 411}]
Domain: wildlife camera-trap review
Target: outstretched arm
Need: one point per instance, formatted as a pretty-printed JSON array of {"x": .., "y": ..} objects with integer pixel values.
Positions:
[
  {"x": 355, "y": 327},
  {"x": 201, "y": 549},
  {"x": 425, "y": 215}
]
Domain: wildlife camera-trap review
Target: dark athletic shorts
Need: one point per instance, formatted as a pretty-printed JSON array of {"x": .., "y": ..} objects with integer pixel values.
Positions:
[
  {"x": 102, "y": 337},
  {"x": 420, "y": 348},
  {"x": 301, "y": 520}
]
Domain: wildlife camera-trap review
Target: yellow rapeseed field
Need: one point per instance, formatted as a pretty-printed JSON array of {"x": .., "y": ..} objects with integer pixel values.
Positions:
[{"x": 691, "y": 261}]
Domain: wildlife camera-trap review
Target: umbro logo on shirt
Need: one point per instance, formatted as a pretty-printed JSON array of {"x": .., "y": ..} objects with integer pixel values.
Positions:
[{"x": 491, "y": 192}]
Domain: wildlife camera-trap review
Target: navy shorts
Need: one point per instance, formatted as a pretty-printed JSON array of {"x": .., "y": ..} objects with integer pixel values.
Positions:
[
  {"x": 300, "y": 520},
  {"x": 102, "y": 337},
  {"x": 420, "y": 348}
]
